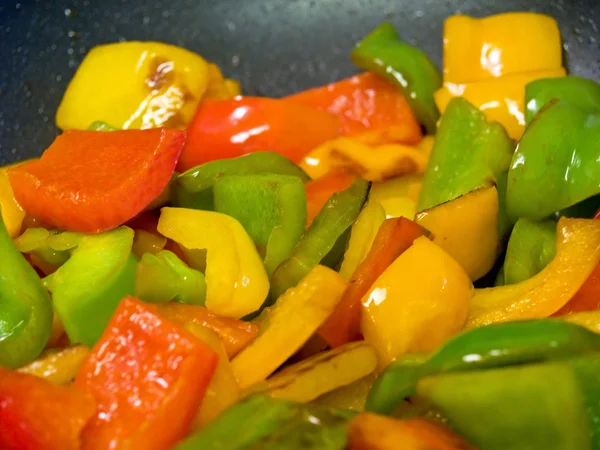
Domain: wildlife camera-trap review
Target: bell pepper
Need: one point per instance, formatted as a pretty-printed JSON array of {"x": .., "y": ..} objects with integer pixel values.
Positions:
[
  {"x": 52, "y": 247},
  {"x": 373, "y": 432},
  {"x": 134, "y": 85},
  {"x": 270, "y": 207},
  {"x": 12, "y": 212},
  {"x": 98, "y": 125},
  {"x": 587, "y": 298},
  {"x": 500, "y": 99},
  {"x": 223, "y": 390},
  {"x": 351, "y": 397},
  {"x": 557, "y": 156},
  {"x": 484, "y": 348},
  {"x": 288, "y": 324},
  {"x": 58, "y": 365},
  {"x": 531, "y": 247},
  {"x": 193, "y": 189},
  {"x": 37, "y": 415},
  {"x": 82, "y": 183},
  {"x": 467, "y": 229},
  {"x": 369, "y": 107},
  {"x": 146, "y": 242},
  {"x": 163, "y": 277},
  {"x": 235, "y": 334},
  {"x": 322, "y": 373},
  {"x": 409, "y": 68},
  {"x": 577, "y": 91},
  {"x": 229, "y": 128},
  {"x": 370, "y": 163},
  {"x": 88, "y": 287},
  {"x": 417, "y": 303},
  {"x": 588, "y": 319},
  {"x": 362, "y": 236},
  {"x": 577, "y": 255},
  {"x": 319, "y": 191},
  {"x": 538, "y": 406},
  {"x": 393, "y": 238},
  {"x": 478, "y": 49},
  {"x": 398, "y": 196},
  {"x": 338, "y": 215},
  {"x": 236, "y": 281},
  {"x": 26, "y": 307},
  {"x": 220, "y": 87},
  {"x": 485, "y": 157},
  {"x": 148, "y": 377}
]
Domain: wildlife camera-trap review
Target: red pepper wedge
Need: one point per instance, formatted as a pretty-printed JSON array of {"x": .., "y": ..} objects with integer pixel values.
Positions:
[
  {"x": 92, "y": 181},
  {"x": 394, "y": 237},
  {"x": 233, "y": 127},
  {"x": 320, "y": 190},
  {"x": 38, "y": 415},
  {"x": 148, "y": 377},
  {"x": 366, "y": 103}
]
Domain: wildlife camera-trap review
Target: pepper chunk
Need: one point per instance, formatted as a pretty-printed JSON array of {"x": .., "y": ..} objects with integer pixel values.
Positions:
[
  {"x": 383, "y": 53},
  {"x": 37, "y": 415},
  {"x": 12, "y": 212},
  {"x": 148, "y": 377}
]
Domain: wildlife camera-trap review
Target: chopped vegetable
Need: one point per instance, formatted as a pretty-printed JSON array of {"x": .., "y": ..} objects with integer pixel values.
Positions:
[
  {"x": 352, "y": 396},
  {"x": 382, "y": 52},
  {"x": 398, "y": 196},
  {"x": 220, "y": 87},
  {"x": 12, "y": 212},
  {"x": 320, "y": 191},
  {"x": 147, "y": 242},
  {"x": 288, "y": 324},
  {"x": 587, "y": 298},
  {"x": 79, "y": 184},
  {"x": 59, "y": 366},
  {"x": 148, "y": 377},
  {"x": 236, "y": 281},
  {"x": 228, "y": 128}
]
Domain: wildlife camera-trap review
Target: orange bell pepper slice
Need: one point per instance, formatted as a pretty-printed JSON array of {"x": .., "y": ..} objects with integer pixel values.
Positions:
[
  {"x": 320, "y": 190},
  {"x": 394, "y": 237},
  {"x": 92, "y": 181},
  {"x": 233, "y": 127},
  {"x": 38, "y": 415},
  {"x": 235, "y": 334},
  {"x": 366, "y": 105},
  {"x": 148, "y": 377}
]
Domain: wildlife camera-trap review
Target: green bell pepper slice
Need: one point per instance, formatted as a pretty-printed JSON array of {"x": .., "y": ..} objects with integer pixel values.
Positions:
[
  {"x": 271, "y": 207},
  {"x": 577, "y": 91},
  {"x": 101, "y": 126},
  {"x": 532, "y": 245},
  {"x": 193, "y": 188},
  {"x": 404, "y": 65},
  {"x": 25, "y": 307},
  {"x": 469, "y": 153},
  {"x": 163, "y": 277},
  {"x": 496, "y": 345},
  {"x": 338, "y": 214},
  {"x": 87, "y": 289},
  {"x": 50, "y": 246},
  {"x": 555, "y": 165}
]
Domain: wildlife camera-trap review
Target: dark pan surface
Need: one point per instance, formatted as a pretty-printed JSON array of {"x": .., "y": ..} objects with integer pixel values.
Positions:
[{"x": 274, "y": 47}]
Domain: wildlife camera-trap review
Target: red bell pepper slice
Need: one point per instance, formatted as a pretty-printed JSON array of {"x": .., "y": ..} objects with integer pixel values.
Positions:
[
  {"x": 320, "y": 190},
  {"x": 92, "y": 181},
  {"x": 148, "y": 377},
  {"x": 366, "y": 103},
  {"x": 38, "y": 415},
  {"x": 393, "y": 238},
  {"x": 233, "y": 127}
]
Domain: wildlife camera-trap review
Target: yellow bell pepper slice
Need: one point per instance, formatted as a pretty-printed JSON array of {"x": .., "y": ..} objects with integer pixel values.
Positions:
[
  {"x": 59, "y": 366},
  {"x": 587, "y": 319},
  {"x": 12, "y": 213},
  {"x": 233, "y": 86},
  {"x": 288, "y": 324},
  {"x": 398, "y": 196},
  {"x": 220, "y": 87},
  {"x": 467, "y": 229},
  {"x": 371, "y": 163},
  {"x": 352, "y": 396},
  {"x": 477, "y": 49},
  {"x": 501, "y": 99},
  {"x": 134, "y": 85},
  {"x": 236, "y": 281},
  {"x": 322, "y": 373},
  {"x": 577, "y": 254},
  {"x": 223, "y": 390},
  {"x": 146, "y": 242},
  {"x": 361, "y": 237},
  {"x": 420, "y": 301}
]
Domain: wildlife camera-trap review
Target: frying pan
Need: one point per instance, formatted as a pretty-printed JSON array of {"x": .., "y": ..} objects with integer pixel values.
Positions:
[{"x": 274, "y": 47}]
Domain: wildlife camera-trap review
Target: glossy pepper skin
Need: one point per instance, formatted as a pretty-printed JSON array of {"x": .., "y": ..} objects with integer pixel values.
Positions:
[
  {"x": 557, "y": 155},
  {"x": 12, "y": 212},
  {"x": 382, "y": 52},
  {"x": 25, "y": 307},
  {"x": 577, "y": 91},
  {"x": 497, "y": 345}
]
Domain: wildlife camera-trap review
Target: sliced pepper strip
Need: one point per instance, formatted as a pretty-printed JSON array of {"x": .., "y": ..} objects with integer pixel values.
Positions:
[
  {"x": 59, "y": 366},
  {"x": 318, "y": 192},
  {"x": 577, "y": 255},
  {"x": 587, "y": 298},
  {"x": 12, "y": 212},
  {"x": 148, "y": 377},
  {"x": 236, "y": 280}
]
